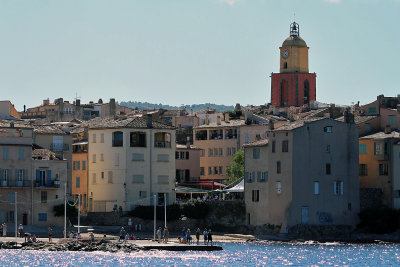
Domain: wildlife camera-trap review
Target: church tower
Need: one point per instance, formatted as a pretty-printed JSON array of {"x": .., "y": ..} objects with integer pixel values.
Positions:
[{"x": 293, "y": 85}]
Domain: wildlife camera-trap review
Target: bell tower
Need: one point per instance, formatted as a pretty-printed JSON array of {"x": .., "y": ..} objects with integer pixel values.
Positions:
[{"x": 293, "y": 85}]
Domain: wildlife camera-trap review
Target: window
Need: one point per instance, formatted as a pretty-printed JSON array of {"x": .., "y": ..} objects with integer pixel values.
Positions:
[
  {"x": 78, "y": 182},
  {"x": 328, "y": 168},
  {"x": 21, "y": 153},
  {"x": 102, "y": 175},
  {"x": 138, "y": 178},
  {"x": 94, "y": 178},
  {"x": 285, "y": 65},
  {"x": 201, "y": 170},
  {"x": 11, "y": 197},
  {"x": 116, "y": 159},
  {"x": 74, "y": 165},
  {"x": 118, "y": 139},
  {"x": 264, "y": 177},
  {"x": 202, "y": 153},
  {"x": 316, "y": 188},
  {"x": 43, "y": 196},
  {"x": 163, "y": 179},
  {"x": 363, "y": 170},
  {"x": 220, "y": 170},
  {"x": 209, "y": 170},
  {"x": 228, "y": 151},
  {"x": 101, "y": 157},
  {"x": 20, "y": 176},
  {"x": 102, "y": 138},
  {"x": 338, "y": 188},
  {"x": 221, "y": 152},
  {"x": 215, "y": 152},
  {"x": 83, "y": 165},
  {"x": 328, "y": 129},
  {"x": 210, "y": 152},
  {"x": 392, "y": 120},
  {"x": 233, "y": 150},
  {"x": 278, "y": 167},
  {"x": 42, "y": 217},
  {"x": 138, "y": 139},
  {"x": 182, "y": 155},
  {"x": 5, "y": 153},
  {"x": 246, "y": 138},
  {"x": 94, "y": 138},
  {"x": 255, "y": 195},
  {"x": 285, "y": 146},
  {"x": 163, "y": 158},
  {"x": 383, "y": 169},
  {"x": 201, "y": 135},
  {"x": 278, "y": 188},
  {"x": 142, "y": 194},
  {"x": 110, "y": 177},
  {"x": 362, "y": 148},
  {"x": 367, "y": 128},
  {"x": 94, "y": 158},
  {"x": 42, "y": 177},
  {"x": 11, "y": 217},
  {"x": 328, "y": 149},
  {"x": 215, "y": 170},
  {"x": 378, "y": 148},
  {"x": 137, "y": 157},
  {"x": 162, "y": 140},
  {"x": 372, "y": 110},
  {"x": 78, "y": 165},
  {"x": 256, "y": 153},
  {"x": 273, "y": 146}
]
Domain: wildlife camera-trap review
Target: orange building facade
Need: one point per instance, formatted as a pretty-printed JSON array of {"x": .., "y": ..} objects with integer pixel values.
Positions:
[{"x": 80, "y": 173}]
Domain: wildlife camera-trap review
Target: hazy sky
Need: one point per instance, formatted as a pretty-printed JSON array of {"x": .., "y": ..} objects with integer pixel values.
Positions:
[{"x": 193, "y": 51}]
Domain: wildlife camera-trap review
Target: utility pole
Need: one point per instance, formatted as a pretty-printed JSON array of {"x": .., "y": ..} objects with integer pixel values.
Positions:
[
  {"x": 65, "y": 210},
  {"x": 79, "y": 213},
  {"x": 165, "y": 210},
  {"x": 16, "y": 217},
  {"x": 155, "y": 216}
]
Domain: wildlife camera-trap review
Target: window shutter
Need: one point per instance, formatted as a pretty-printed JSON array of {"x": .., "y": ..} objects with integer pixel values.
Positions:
[
  {"x": 246, "y": 176},
  {"x": 38, "y": 176},
  {"x": 26, "y": 175},
  {"x": 10, "y": 180},
  {"x": 187, "y": 154},
  {"x": 341, "y": 188},
  {"x": 334, "y": 188},
  {"x": 177, "y": 155},
  {"x": 48, "y": 177},
  {"x": 258, "y": 176},
  {"x": 2, "y": 174}
]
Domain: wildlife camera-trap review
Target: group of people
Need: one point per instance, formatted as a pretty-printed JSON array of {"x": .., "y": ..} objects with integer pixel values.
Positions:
[
  {"x": 74, "y": 235},
  {"x": 31, "y": 238},
  {"x": 4, "y": 229},
  {"x": 138, "y": 227},
  {"x": 124, "y": 235},
  {"x": 186, "y": 237},
  {"x": 163, "y": 233}
]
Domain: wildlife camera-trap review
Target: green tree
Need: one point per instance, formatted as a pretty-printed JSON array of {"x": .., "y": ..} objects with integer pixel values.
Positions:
[{"x": 236, "y": 170}]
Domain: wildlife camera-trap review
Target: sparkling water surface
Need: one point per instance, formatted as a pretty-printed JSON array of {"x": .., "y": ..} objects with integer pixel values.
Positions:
[{"x": 234, "y": 254}]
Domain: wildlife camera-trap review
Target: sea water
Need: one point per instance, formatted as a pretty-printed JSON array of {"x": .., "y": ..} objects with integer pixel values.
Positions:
[{"x": 234, "y": 254}]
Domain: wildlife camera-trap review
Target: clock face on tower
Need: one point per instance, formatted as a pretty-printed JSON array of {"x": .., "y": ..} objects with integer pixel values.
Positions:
[{"x": 285, "y": 54}]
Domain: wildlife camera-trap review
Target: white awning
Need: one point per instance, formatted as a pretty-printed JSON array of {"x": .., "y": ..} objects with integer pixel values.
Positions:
[{"x": 237, "y": 188}]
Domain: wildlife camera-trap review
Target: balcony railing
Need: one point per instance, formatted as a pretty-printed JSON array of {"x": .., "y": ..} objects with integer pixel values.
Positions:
[
  {"x": 52, "y": 184},
  {"x": 13, "y": 183},
  {"x": 162, "y": 144}
]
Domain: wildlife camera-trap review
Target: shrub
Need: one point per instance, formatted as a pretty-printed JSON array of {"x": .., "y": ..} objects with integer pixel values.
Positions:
[
  {"x": 147, "y": 212},
  {"x": 380, "y": 220},
  {"x": 195, "y": 209}
]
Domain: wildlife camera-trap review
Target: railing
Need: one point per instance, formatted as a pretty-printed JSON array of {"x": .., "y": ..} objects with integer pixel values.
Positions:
[
  {"x": 162, "y": 144},
  {"x": 13, "y": 183},
  {"x": 53, "y": 184}
]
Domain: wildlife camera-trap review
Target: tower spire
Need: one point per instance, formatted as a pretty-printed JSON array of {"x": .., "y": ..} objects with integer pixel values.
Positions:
[{"x": 294, "y": 29}]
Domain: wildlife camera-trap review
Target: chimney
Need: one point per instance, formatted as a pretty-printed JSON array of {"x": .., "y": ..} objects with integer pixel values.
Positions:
[
  {"x": 388, "y": 130},
  {"x": 112, "y": 106},
  {"x": 348, "y": 117},
  {"x": 149, "y": 121},
  {"x": 207, "y": 120},
  {"x": 24, "y": 108},
  {"x": 271, "y": 125},
  {"x": 187, "y": 141},
  {"x": 78, "y": 102},
  {"x": 218, "y": 120},
  {"x": 46, "y": 102},
  {"x": 226, "y": 116}
]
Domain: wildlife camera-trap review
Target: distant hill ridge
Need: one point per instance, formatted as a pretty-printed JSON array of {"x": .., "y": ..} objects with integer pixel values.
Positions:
[{"x": 195, "y": 107}]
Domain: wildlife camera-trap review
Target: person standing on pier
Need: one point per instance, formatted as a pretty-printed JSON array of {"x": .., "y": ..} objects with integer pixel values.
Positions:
[
  {"x": 159, "y": 234},
  {"x": 50, "y": 232},
  {"x": 20, "y": 230},
  {"x": 209, "y": 237},
  {"x": 166, "y": 234},
  {"x": 198, "y": 236},
  {"x": 205, "y": 236}
]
